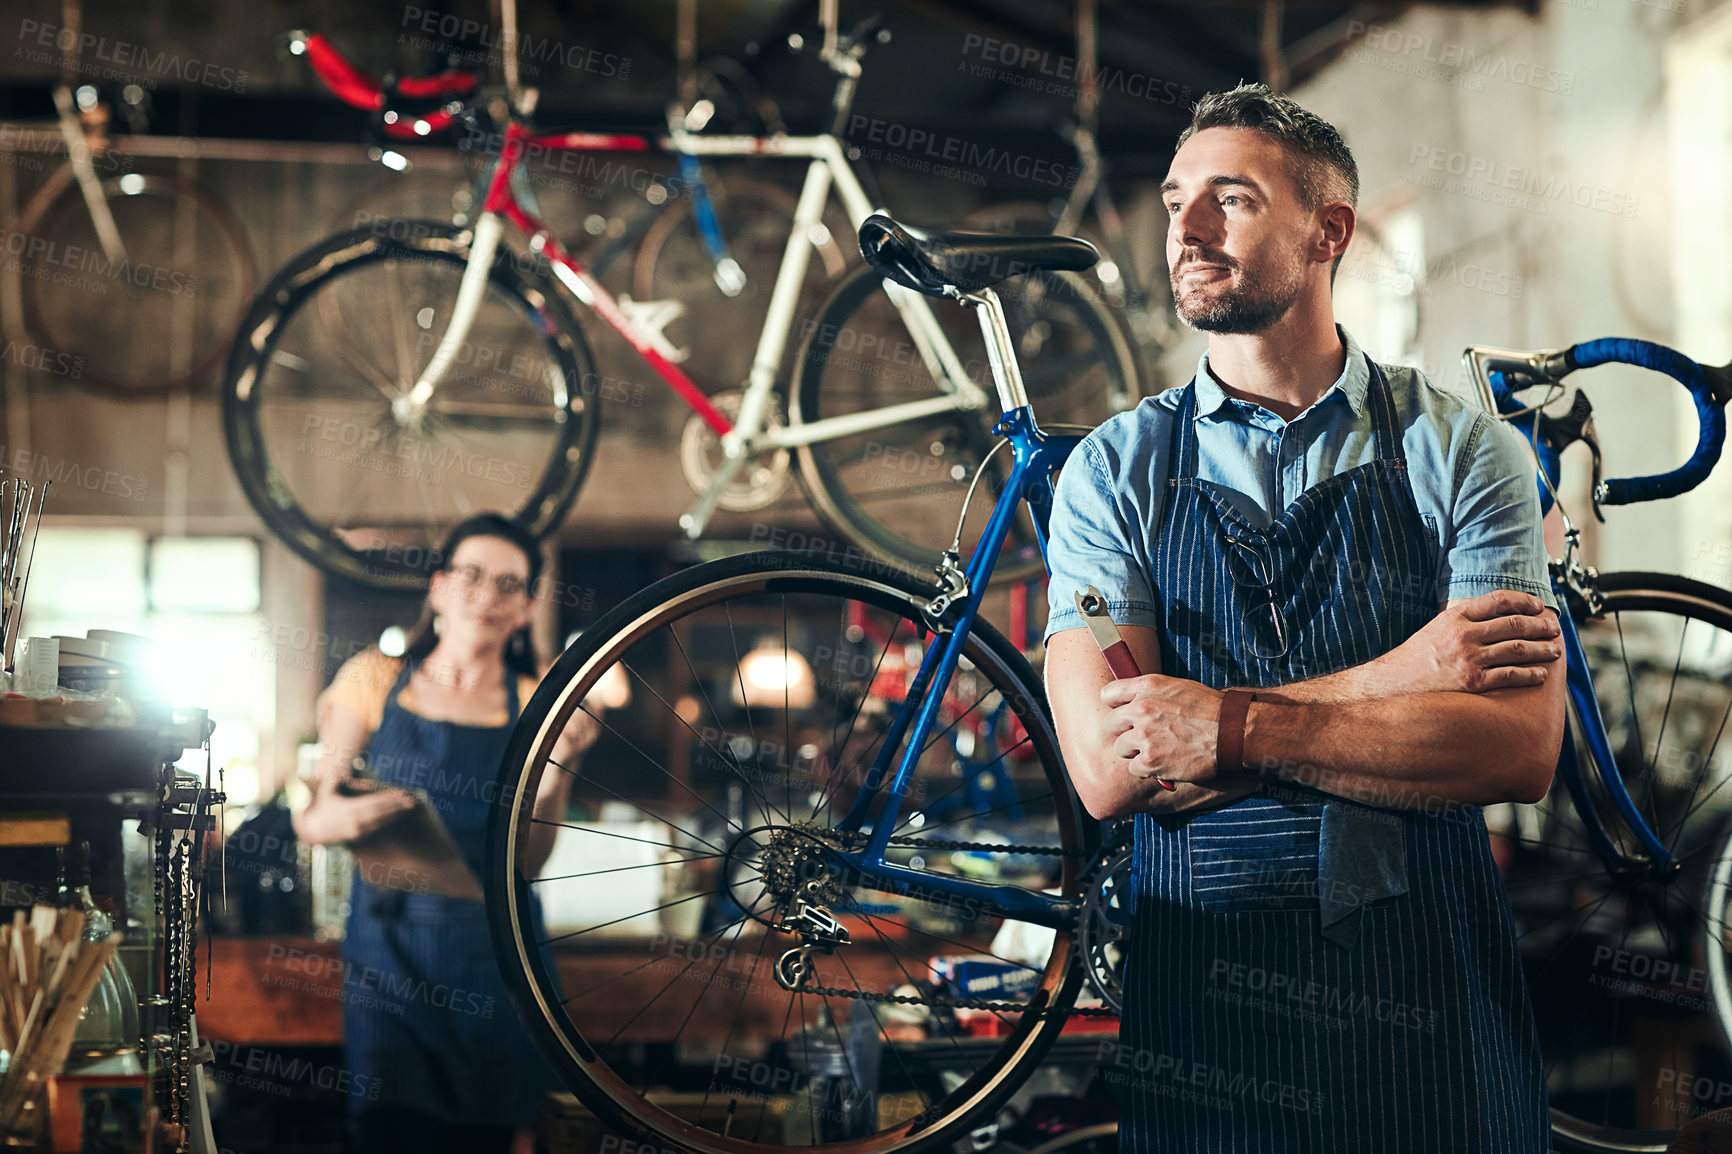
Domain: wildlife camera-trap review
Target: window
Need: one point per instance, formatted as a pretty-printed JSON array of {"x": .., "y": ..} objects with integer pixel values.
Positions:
[{"x": 197, "y": 598}]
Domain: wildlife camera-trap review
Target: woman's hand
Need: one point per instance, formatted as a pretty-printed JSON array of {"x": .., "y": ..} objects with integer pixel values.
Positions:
[
  {"x": 344, "y": 807},
  {"x": 357, "y": 807}
]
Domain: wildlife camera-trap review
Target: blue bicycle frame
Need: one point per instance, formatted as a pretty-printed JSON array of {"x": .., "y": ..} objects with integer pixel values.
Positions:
[
  {"x": 1499, "y": 374},
  {"x": 1035, "y": 456}
]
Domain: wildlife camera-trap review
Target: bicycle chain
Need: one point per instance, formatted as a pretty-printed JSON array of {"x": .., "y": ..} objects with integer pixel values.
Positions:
[
  {"x": 985, "y": 847},
  {"x": 944, "y": 1001}
]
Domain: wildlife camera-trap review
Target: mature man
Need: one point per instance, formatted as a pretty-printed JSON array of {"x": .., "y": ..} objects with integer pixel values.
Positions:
[{"x": 1322, "y": 955}]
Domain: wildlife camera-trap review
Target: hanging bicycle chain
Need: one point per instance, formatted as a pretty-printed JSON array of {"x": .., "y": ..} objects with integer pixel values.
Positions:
[
  {"x": 809, "y": 920},
  {"x": 177, "y": 914}
]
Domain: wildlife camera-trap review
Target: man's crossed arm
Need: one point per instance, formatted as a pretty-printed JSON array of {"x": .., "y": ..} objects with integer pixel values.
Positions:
[{"x": 1470, "y": 710}]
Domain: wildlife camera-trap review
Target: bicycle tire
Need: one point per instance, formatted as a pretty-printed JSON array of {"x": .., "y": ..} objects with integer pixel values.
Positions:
[
  {"x": 115, "y": 319},
  {"x": 898, "y": 491},
  {"x": 661, "y": 638},
  {"x": 1660, "y": 652},
  {"x": 674, "y": 263},
  {"x": 366, "y": 492}
]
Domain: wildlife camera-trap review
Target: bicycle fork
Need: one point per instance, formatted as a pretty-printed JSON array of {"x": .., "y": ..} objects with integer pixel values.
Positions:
[{"x": 407, "y": 407}]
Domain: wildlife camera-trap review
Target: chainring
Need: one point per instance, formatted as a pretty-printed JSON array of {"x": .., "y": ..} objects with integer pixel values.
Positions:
[
  {"x": 1101, "y": 925},
  {"x": 760, "y": 480}
]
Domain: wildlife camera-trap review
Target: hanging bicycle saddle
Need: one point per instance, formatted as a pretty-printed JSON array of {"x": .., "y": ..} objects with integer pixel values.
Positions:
[{"x": 944, "y": 264}]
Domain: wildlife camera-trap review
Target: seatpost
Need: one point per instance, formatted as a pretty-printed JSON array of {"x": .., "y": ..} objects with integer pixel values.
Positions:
[{"x": 1000, "y": 350}]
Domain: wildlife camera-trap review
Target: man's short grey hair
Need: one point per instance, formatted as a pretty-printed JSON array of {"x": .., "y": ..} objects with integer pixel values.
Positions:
[{"x": 1320, "y": 163}]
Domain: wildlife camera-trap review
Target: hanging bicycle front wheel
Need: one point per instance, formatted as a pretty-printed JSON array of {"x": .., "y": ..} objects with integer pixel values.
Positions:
[
  {"x": 1617, "y": 963},
  {"x": 650, "y": 937},
  {"x": 156, "y": 314},
  {"x": 899, "y": 490},
  {"x": 335, "y": 451}
]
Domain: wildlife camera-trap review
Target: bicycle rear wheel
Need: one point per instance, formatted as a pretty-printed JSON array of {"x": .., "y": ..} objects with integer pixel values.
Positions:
[
  {"x": 324, "y": 435},
  {"x": 898, "y": 491},
  {"x": 673, "y": 262},
  {"x": 157, "y": 317},
  {"x": 642, "y": 954},
  {"x": 1615, "y": 963}
]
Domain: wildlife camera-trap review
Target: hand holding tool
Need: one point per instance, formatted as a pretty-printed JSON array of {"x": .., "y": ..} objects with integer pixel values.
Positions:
[{"x": 1093, "y": 608}]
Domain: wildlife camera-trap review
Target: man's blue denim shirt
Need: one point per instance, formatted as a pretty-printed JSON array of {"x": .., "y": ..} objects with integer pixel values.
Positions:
[{"x": 1472, "y": 477}]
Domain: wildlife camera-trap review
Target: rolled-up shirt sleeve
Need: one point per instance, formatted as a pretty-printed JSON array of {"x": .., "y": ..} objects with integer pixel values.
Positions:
[
  {"x": 1093, "y": 543},
  {"x": 1499, "y": 542}
]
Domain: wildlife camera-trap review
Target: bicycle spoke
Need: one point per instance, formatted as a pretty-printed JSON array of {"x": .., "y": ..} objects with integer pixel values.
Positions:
[
  {"x": 1660, "y": 737},
  {"x": 1707, "y": 762},
  {"x": 618, "y": 869},
  {"x": 404, "y": 363},
  {"x": 727, "y": 824},
  {"x": 627, "y": 918},
  {"x": 725, "y": 759}
]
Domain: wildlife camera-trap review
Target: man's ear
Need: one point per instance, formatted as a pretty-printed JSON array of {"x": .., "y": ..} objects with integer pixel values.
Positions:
[{"x": 1337, "y": 221}]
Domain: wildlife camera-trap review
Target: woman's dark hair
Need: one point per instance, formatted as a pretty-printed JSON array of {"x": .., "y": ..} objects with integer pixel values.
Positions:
[{"x": 519, "y": 649}]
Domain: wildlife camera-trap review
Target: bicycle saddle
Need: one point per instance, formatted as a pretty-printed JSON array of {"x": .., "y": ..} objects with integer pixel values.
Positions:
[{"x": 947, "y": 264}]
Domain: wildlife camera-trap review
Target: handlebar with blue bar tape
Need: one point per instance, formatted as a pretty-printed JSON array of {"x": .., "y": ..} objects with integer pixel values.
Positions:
[
  {"x": 1710, "y": 414},
  {"x": 1710, "y": 388}
]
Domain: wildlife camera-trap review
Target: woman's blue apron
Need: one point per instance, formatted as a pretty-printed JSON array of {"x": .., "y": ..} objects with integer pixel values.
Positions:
[
  {"x": 427, "y": 1022},
  {"x": 1308, "y": 973}
]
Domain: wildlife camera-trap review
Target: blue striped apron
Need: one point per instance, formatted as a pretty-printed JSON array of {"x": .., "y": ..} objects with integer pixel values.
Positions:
[
  {"x": 427, "y": 1022},
  {"x": 1307, "y": 973}
]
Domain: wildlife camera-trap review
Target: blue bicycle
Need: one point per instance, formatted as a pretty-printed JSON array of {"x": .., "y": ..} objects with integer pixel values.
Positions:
[
  {"x": 1612, "y": 876},
  {"x": 783, "y": 937}
]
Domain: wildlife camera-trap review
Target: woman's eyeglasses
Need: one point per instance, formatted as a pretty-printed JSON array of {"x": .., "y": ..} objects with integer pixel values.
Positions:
[
  {"x": 1265, "y": 630},
  {"x": 508, "y": 584}
]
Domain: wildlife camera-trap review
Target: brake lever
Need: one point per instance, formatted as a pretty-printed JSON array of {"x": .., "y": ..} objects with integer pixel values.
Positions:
[{"x": 1578, "y": 425}]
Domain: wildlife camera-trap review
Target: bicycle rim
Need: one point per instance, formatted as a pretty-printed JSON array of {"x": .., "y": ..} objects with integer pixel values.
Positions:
[
  {"x": 899, "y": 490},
  {"x": 348, "y": 475},
  {"x": 160, "y": 317},
  {"x": 657, "y": 1002},
  {"x": 1615, "y": 965}
]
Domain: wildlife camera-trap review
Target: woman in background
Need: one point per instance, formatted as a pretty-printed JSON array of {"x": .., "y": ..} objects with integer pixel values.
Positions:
[{"x": 427, "y": 1022}]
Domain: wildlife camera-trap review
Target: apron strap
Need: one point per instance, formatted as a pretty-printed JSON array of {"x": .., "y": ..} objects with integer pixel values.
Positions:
[
  {"x": 1184, "y": 444},
  {"x": 1381, "y": 401}
]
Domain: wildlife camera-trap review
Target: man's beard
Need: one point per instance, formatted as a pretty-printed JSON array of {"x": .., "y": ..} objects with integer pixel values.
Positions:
[{"x": 1242, "y": 306}]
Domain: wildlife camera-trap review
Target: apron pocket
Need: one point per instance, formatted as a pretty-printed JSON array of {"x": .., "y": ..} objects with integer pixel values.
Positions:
[{"x": 1259, "y": 856}]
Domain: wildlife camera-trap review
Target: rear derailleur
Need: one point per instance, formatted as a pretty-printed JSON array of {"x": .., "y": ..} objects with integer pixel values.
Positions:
[{"x": 818, "y": 931}]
